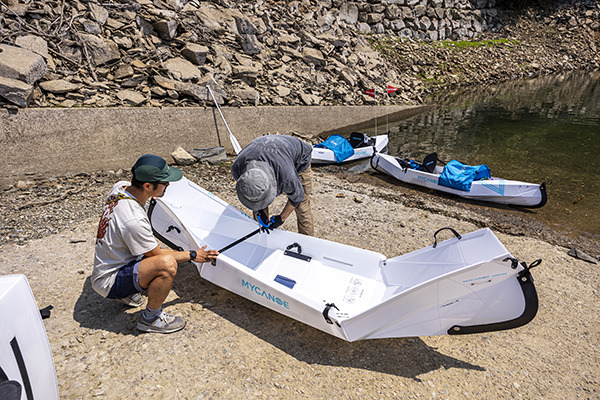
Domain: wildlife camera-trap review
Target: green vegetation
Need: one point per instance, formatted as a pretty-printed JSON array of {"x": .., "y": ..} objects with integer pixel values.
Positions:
[
  {"x": 388, "y": 43},
  {"x": 464, "y": 44}
]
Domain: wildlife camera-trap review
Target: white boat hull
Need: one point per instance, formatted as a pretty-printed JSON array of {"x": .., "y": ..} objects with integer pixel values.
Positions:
[
  {"x": 496, "y": 190},
  {"x": 26, "y": 365},
  {"x": 460, "y": 283},
  {"x": 321, "y": 155}
]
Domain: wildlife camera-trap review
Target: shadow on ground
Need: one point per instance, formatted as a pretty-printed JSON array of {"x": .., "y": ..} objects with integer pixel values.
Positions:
[{"x": 406, "y": 357}]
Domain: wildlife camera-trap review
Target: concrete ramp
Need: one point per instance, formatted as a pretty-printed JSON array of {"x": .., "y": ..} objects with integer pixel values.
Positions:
[{"x": 55, "y": 142}]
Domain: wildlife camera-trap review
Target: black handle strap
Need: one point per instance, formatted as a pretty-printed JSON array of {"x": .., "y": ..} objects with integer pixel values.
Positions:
[
  {"x": 371, "y": 162},
  {"x": 441, "y": 229},
  {"x": 294, "y": 245},
  {"x": 526, "y": 268},
  {"x": 328, "y": 307},
  {"x": 157, "y": 234}
]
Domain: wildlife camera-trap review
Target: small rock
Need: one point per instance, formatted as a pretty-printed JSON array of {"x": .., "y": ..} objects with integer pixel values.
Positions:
[
  {"x": 182, "y": 157},
  {"x": 574, "y": 252}
]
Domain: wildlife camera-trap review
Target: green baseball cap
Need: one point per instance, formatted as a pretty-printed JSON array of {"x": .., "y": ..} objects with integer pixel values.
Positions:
[{"x": 151, "y": 168}]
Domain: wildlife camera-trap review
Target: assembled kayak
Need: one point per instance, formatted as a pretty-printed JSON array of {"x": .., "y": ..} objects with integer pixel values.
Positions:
[
  {"x": 466, "y": 284},
  {"x": 361, "y": 146},
  {"x": 495, "y": 190}
]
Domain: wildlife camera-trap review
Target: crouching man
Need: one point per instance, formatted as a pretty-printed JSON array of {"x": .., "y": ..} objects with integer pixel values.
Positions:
[{"x": 128, "y": 259}]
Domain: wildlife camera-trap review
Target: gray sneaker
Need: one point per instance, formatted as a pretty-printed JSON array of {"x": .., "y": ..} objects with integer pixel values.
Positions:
[
  {"x": 135, "y": 300},
  {"x": 162, "y": 323}
]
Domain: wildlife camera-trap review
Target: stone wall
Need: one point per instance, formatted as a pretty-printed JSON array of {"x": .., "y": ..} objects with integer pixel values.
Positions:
[{"x": 422, "y": 19}]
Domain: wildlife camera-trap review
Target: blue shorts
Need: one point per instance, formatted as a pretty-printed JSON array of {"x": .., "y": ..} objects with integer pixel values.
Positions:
[{"x": 126, "y": 282}]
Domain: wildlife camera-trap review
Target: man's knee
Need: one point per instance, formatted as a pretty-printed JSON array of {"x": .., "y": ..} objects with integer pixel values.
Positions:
[{"x": 167, "y": 265}]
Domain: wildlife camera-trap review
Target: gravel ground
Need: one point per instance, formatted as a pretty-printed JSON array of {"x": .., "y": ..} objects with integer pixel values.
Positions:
[{"x": 233, "y": 348}]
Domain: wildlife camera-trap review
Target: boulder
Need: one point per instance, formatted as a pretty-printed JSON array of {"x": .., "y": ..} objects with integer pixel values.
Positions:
[
  {"x": 167, "y": 30},
  {"x": 195, "y": 53},
  {"x": 131, "y": 97},
  {"x": 247, "y": 95},
  {"x": 209, "y": 154},
  {"x": 59, "y": 86},
  {"x": 21, "y": 64},
  {"x": 182, "y": 157},
  {"x": 313, "y": 56},
  {"x": 102, "y": 51},
  {"x": 16, "y": 91},
  {"x": 33, "y": 43},
  {"x": 181, "y": 69}
]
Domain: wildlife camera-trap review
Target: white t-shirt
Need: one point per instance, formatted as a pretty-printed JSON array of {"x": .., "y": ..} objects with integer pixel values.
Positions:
[{"x": 124, "y": 234}]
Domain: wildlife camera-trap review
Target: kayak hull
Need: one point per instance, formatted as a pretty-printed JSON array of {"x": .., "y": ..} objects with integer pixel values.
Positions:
[
  {"x": 321, "y": 155},
  {"x": 496, "y": 190},
  {"x": 348, "y": 292}
]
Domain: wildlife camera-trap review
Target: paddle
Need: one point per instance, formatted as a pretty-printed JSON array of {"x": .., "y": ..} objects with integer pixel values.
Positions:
[{"x": 234, "y": 142}]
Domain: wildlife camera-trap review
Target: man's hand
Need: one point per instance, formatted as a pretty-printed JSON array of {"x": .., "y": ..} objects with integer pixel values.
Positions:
[
  {"x": 262, "y": 217},
  {"x": 275, "y": 222},
  {"x": 263, "y": 220},
  {"x": 203, "y": 255}
]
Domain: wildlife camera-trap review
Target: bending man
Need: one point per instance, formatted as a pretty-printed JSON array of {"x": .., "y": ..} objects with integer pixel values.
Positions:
[{"x": 272, "y": 165}]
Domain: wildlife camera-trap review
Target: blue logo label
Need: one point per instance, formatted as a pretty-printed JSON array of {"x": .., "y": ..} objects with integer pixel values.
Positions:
[
  {"x": 427, "y": 179},
  {"x": 499, "y": 189},
  {"x": 257, "y": 290}
]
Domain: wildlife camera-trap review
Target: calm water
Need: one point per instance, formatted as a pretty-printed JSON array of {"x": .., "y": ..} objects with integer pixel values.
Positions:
[{"x": 546, "y": 129}]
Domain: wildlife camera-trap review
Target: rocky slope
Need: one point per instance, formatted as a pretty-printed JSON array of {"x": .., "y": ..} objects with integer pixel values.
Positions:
[{"x": 75, "y": 53}]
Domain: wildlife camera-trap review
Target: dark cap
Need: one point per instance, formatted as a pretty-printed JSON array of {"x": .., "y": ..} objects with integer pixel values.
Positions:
[{"x": 151, "y": 168}]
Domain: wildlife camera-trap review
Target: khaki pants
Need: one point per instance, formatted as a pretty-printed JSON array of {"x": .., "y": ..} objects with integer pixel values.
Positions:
[{"x": 306, "y": 221}]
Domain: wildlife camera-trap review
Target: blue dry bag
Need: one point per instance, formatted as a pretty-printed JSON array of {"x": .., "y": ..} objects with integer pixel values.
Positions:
[
  {"x": 339, "y": 145},
  {"x": 459, "y": 176}
]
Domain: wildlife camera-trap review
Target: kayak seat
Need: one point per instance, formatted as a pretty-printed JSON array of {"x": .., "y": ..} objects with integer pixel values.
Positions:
[
  {"x": 429, "y": 163},
  {"x": 405, "y": 163},
  {"x": 359, "y": 139}
]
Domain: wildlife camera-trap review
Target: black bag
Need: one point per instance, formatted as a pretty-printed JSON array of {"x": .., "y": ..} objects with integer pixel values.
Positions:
[{"x": 359, "y": 139}]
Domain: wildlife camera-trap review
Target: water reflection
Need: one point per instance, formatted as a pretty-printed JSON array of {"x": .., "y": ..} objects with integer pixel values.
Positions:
[{"x": 547, "y": 129}]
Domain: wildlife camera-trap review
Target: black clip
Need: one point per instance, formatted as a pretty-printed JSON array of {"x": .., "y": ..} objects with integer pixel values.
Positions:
[
  {"x": 45, "y": 312},
  {"x": 170, "y": 228},
  {"x": 514, "y": 262}
]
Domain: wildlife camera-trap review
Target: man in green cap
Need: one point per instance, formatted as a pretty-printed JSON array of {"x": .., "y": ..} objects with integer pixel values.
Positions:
[{"x": 128, "y": 259}]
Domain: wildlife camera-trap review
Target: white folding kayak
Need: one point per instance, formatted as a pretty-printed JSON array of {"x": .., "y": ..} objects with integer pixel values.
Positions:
[
  {"x": 466, "y": 284},
  {"x": 322, "y": 155},
  {"x": 495, "y": 190}
]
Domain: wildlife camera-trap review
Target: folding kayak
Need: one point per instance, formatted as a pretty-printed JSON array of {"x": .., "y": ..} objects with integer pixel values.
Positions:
[
  {"x": 338, "y": 149},
  {"x": 466, "y": 284},
  {"x": 430, "y": 175}
]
